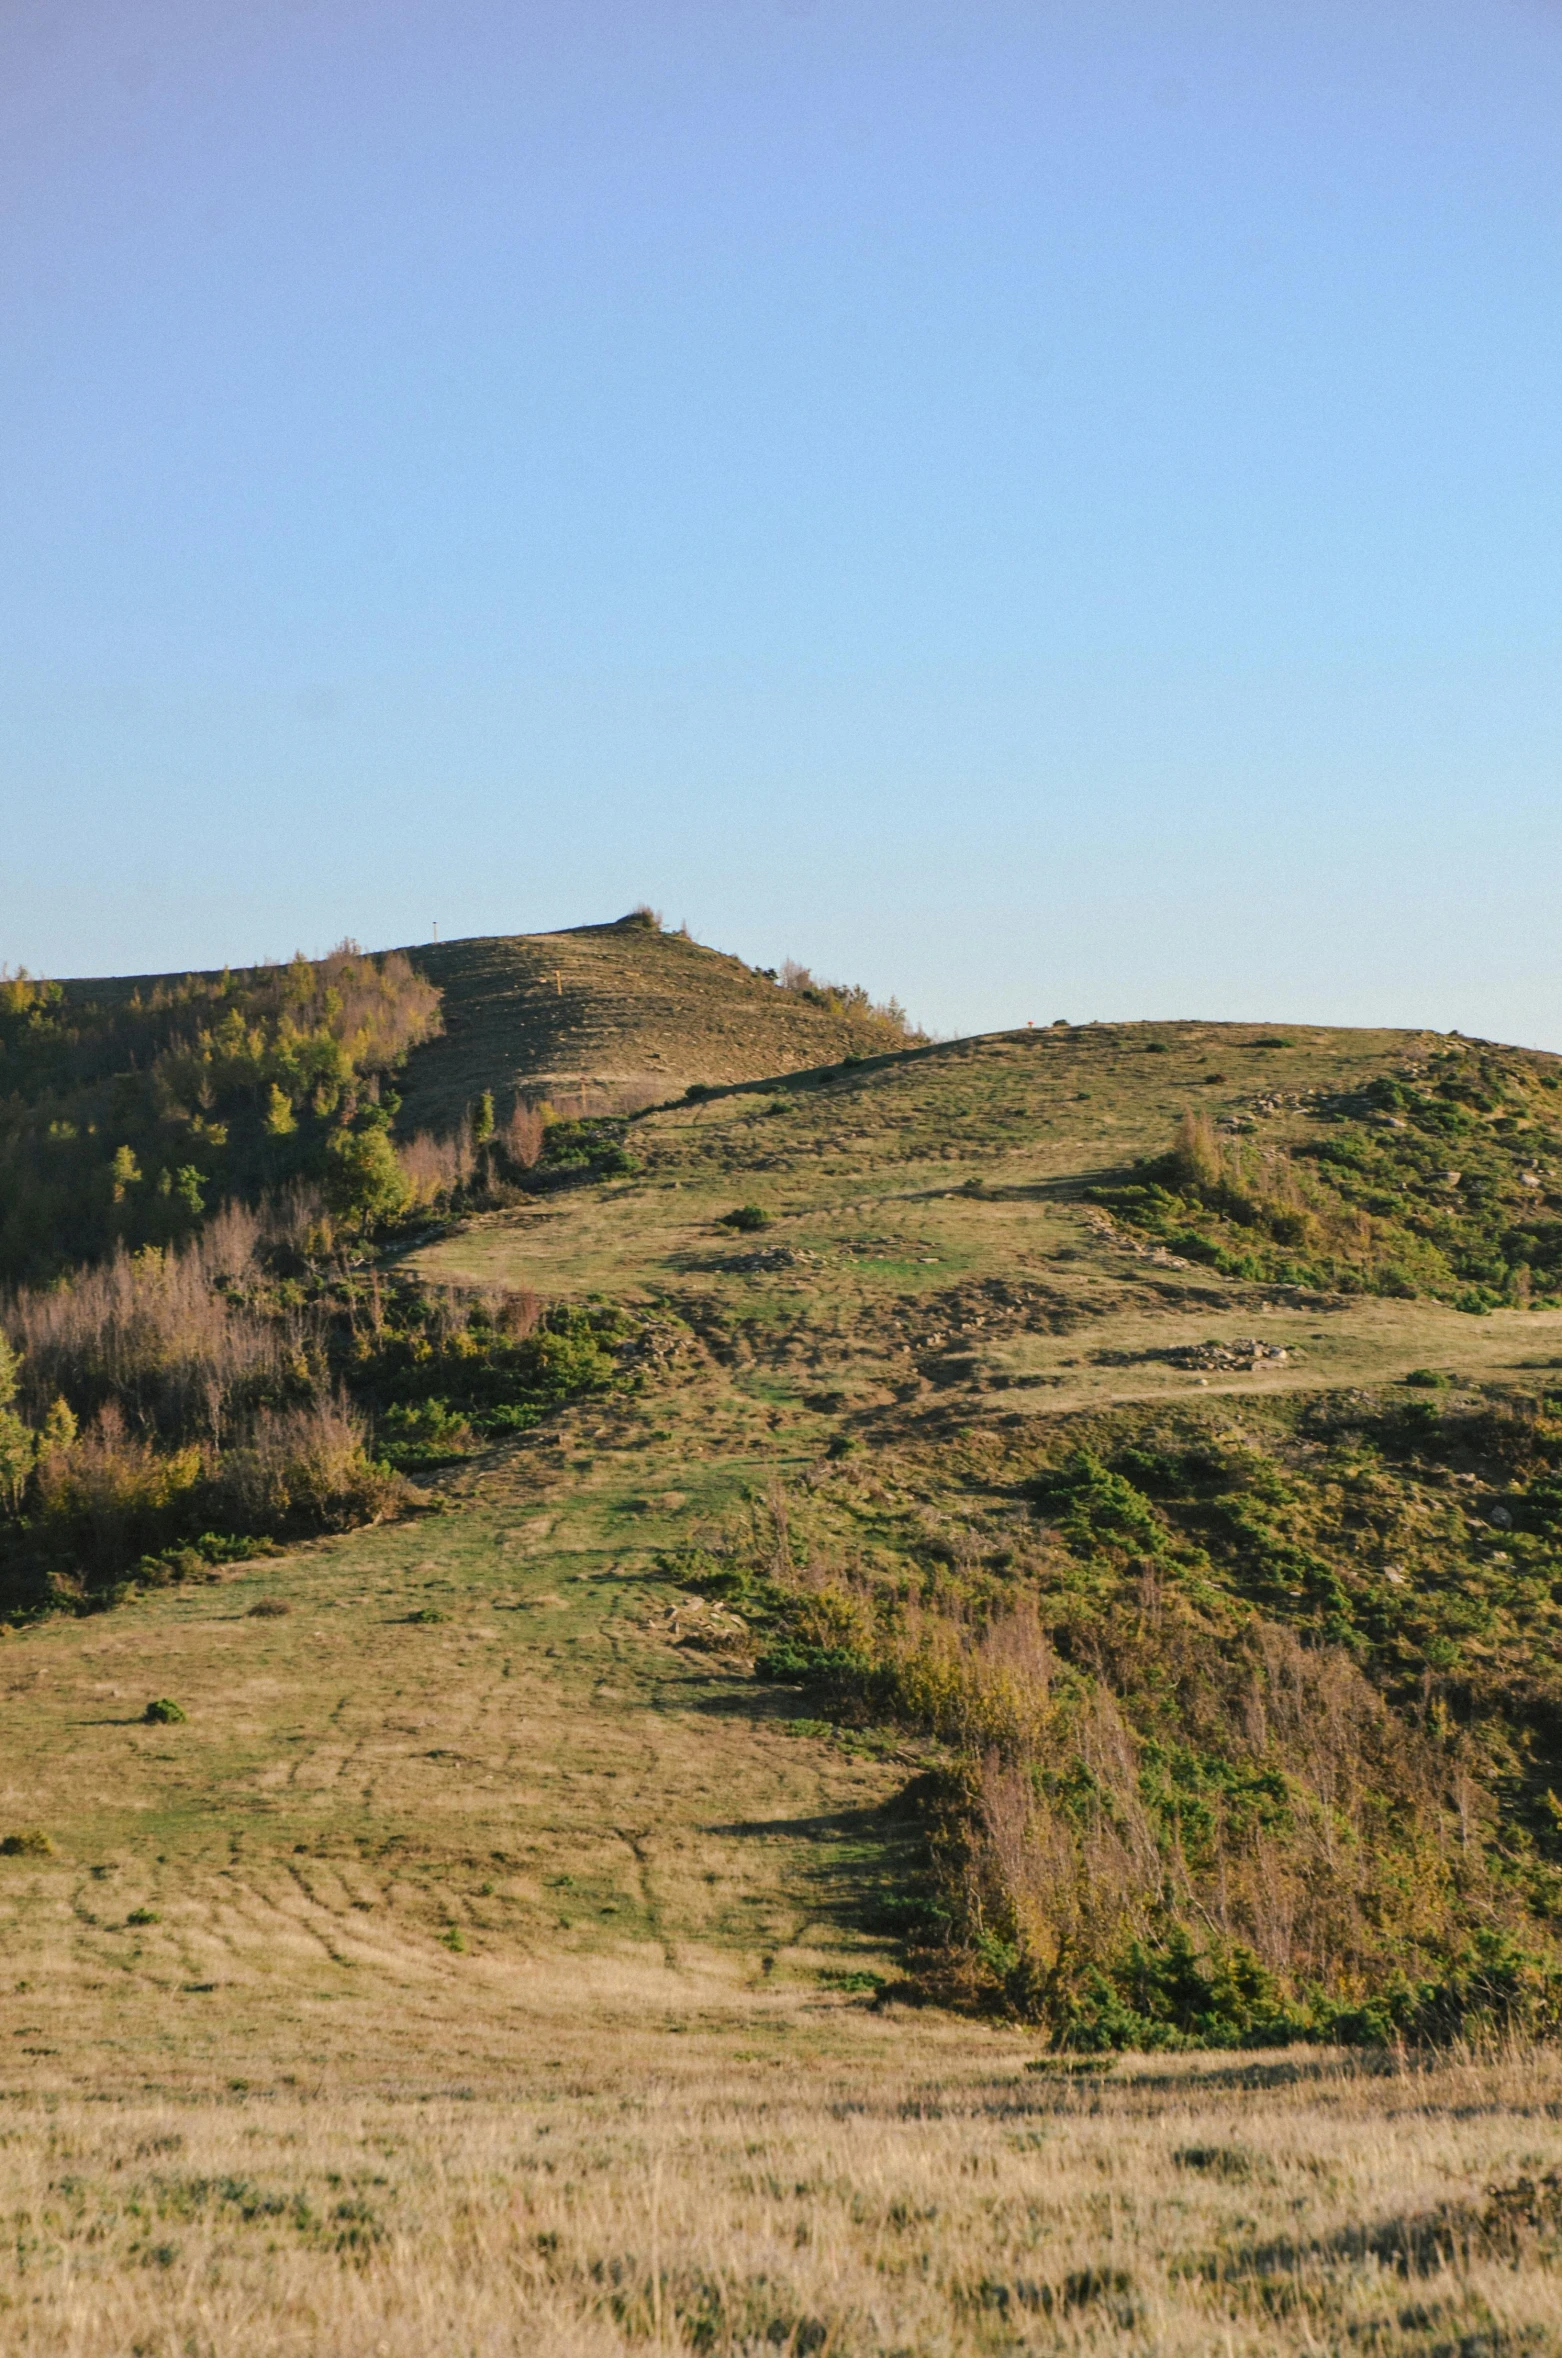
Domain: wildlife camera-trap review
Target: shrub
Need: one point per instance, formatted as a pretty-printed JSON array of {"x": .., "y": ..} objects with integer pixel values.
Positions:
[
  {"x": 164, "y": 1335},
  {"x": 747, "y": 1217},
  {"x": 269, "y": 1609},
  {"x": 111, "y": 1496},
  {"x": 308, "y": 1465},
  {"x": 163, "y": 1712},
  {"x": 195, "y": 1558},
  {"x": 424, "y": 1432},
  {"x": 591, "y": 1146},
  {"x": 888, "y": 1026},
  {"x": 32, "y": 1845}
]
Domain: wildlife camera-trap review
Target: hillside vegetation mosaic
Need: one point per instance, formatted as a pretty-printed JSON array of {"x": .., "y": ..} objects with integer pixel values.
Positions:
[{"x": 792, "y": 1641}]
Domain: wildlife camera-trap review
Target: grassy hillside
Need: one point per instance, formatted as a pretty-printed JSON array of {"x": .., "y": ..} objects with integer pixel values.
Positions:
[
  {"x": 131, "y": 1106},
  {"x": 199, "y": 1172},
  {"x": 916, "y": 1585},
  {"x": 626, "y": 1009},
  {"x": 1076, "y": 1512}
]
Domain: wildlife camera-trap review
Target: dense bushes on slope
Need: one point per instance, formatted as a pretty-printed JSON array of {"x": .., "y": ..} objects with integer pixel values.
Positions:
[
  {"x": 1449, "y": 1184},
  {"x": 122, "y": 1120},
  {"x": 184, "y": 1376},
  {"x": 1250, "y": 1722},
  {"x": 167, "y": 1408}
]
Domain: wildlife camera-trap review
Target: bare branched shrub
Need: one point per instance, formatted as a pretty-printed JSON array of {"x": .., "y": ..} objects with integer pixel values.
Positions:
[
  {"x": 516, "y": 1312},
  {"x": 299, "y": 1223},
  {"x": 1198, "y": 1150},
  {"x": 521, "y": 1138},
  {"x": 307, "y": 1464},
  {"x": 164, "y": 1335},
  {"x": 434, "y": 1168},
  {"x": 1061, "y": 1892}
]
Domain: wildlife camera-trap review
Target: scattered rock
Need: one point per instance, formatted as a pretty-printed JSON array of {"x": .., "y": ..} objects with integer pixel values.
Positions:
[
  {"x": 1107, "y": 1229},
  {"x": 1243, "y": 1353}
]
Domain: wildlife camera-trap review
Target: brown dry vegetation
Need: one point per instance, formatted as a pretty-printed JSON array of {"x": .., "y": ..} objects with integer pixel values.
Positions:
[{"x": 886, "y": 2200}]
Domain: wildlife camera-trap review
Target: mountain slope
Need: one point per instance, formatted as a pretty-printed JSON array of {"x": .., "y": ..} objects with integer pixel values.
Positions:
[
  {"x": 951, "y": 1580},
  {"x": 1112, "y": 1480},
  {"x": 623, "y": 1006}
]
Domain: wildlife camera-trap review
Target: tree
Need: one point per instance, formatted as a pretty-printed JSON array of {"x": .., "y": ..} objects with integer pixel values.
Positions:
[
  {"x": 127, "y": 1172},
  {"x": 483, "y": 1119},
  {"x": 18, "y": 1449},
  {"x": 59, "y": 1428},
  {"x": 280, "y": 1118},
  {"x": 366, "y": 1181}
]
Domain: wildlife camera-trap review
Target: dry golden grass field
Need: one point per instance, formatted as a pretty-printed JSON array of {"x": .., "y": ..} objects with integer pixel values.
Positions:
[{"x": 491, "y": 1963}]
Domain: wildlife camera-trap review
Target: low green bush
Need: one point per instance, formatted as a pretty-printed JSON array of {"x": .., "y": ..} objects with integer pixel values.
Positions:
[{"x": 748, "y": 1218}]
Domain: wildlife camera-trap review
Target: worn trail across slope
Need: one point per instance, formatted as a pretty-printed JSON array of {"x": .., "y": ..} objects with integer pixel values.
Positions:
[{"x": 488, "y": 1732}]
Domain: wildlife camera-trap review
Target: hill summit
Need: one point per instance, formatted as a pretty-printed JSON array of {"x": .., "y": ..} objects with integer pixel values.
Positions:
[{"x": 628, "y": 1008}]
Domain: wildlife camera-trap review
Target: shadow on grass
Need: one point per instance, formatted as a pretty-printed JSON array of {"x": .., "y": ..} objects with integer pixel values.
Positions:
[
  {"x": 743, "y": 1698},
  {"x": 1513, "y": 2223},
  {"x": 865, "y": 1871},
  {"x": 1284, "y": 2072}
]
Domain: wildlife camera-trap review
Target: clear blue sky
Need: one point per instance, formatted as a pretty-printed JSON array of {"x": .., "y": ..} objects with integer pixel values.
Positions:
[{"x": 1051, "y": 509}]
